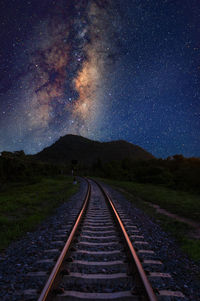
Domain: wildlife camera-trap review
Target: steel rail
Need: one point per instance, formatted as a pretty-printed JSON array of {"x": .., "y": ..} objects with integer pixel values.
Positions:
[
  {"x": 44, "y": 296},
  {"x": 144, "y": 280}
]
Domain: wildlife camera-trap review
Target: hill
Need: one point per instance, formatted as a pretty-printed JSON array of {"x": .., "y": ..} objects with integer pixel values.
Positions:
[{"x": 72, "y": 147}]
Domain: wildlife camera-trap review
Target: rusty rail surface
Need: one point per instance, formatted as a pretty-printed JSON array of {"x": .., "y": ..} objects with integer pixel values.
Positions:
[
  {"x": 134, "y": 258},
  {"x": 46, "y": 293}
]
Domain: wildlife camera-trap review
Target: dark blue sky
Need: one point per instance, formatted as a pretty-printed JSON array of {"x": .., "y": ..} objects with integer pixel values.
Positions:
[{"x": 105, "y": 70}]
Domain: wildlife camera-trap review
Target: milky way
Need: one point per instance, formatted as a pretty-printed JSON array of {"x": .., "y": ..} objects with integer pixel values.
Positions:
[
  {"x": 105, "y": 70},
  {"x": 68, "y": 63},
  {"x": 68, "y": 54}
]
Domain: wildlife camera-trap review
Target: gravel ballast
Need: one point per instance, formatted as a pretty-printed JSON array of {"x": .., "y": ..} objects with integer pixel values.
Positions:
[
  {"x": 22, "y": 257},
  {"x": 183, "y": 270}
]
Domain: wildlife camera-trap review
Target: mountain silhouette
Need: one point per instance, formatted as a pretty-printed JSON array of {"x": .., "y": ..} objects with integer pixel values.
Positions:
[{"x": 73, "y": 147}]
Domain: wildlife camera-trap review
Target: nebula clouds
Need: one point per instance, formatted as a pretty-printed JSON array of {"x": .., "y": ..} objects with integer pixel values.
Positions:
[
  {"x": 103, "y": 69},
  {"x": 69, "y": 53}
]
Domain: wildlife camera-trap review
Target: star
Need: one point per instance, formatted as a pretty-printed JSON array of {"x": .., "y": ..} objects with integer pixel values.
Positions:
[{"x": 101, "y": 69}]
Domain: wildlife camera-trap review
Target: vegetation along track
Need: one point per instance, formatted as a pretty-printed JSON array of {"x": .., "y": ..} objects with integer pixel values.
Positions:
[{"x": 98, "y": 260}]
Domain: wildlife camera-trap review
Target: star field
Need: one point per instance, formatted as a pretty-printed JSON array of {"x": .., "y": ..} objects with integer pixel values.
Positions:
[{"x": 105, "y": 70}]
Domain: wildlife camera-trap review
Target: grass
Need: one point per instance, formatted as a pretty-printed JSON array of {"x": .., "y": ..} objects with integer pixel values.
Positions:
[
  {"x": 178, "y": 202},
  {"x": 181, "y": 203},
  {"x": 24, "y": 206}
]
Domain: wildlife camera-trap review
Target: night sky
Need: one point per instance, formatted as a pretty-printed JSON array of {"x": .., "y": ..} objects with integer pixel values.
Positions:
[{"x": 102, "y": 69}]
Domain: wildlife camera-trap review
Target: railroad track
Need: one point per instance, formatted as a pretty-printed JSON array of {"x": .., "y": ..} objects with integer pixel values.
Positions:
[{"x": 98, "y": 260}]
